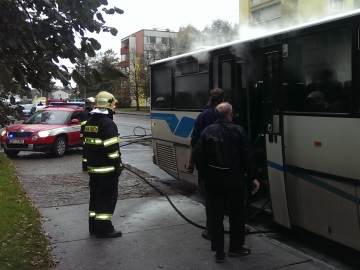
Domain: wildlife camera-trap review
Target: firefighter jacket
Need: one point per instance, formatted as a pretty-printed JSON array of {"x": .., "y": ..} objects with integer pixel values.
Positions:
[
  {"x": 225, "y": 156},
  {"x": 101, "y": 145},
  {"x": 85, "y": 115}
]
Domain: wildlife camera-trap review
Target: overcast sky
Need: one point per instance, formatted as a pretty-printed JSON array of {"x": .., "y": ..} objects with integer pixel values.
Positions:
[
  {"x": 149, "y": 14},
  {"x": 163, "y": 14}
]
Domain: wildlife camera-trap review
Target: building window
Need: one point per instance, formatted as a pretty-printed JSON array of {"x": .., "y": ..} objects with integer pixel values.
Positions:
[
  {"x": 258, "y": 2},
  {"x": 164, "y": 41},
  {"x": 266, "y": 14},
  {"x": 150, "y": 40},
  {"x": 337, "y": 5}
]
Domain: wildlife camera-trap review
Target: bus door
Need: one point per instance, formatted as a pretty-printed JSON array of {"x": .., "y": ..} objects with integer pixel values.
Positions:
[
  {"x": 229, "y": 74},
  {"x": 274, "y": 135}
]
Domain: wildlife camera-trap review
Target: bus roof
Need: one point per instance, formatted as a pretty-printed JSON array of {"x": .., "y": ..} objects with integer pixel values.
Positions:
[{"x": 275, "y": 32}]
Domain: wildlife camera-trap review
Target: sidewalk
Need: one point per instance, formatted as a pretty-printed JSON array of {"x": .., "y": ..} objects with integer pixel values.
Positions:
[{"x": 155, "y": 236}]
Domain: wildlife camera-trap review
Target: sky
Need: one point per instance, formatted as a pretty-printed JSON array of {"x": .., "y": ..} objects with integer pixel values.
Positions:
[{"x": 164, "y": 14}]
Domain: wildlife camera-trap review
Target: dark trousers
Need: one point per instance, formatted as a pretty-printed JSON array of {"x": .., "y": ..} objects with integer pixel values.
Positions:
[
  {"x": 103, "y": 199},
  {"x": 221, "y": 201},
  {"x": 206, "y": 202}
]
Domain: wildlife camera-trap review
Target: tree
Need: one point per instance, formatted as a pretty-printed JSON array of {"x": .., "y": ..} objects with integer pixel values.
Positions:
[
  {"x": 137, "y": 81},
  {"x": 97, "y": 73},
  {"x": 219, "y": 32},
  {"x": 188, "y": 38},
  {"x": 36, "y": 34}
]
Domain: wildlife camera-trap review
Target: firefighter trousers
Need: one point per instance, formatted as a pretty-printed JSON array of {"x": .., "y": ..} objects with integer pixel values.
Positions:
[{"x": 103, "y": 199}]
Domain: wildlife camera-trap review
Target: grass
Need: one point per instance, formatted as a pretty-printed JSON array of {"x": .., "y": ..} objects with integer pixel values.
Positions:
[{"x": 23, "y": 244}]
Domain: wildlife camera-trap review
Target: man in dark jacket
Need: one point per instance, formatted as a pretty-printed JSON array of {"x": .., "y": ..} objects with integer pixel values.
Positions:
[
  {"x": 101, "y": 143},
  {"x": 204, "y": 119},
  {"x": 225, "y": 157}
]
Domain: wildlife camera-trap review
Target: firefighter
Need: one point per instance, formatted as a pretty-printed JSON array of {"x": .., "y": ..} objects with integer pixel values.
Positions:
[
  {"x": 84, "y": 116},
  {"x": 89, "y": 106},
  {"x": 104, "y": 165}
]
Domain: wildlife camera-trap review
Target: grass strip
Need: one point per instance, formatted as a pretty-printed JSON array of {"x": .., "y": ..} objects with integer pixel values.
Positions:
[{"x": 23, "y": 244}]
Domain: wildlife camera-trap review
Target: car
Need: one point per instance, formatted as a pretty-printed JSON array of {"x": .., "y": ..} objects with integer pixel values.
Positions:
[
  {"x": 51, "y": 129},
  {"x": 28, "y": 110}
]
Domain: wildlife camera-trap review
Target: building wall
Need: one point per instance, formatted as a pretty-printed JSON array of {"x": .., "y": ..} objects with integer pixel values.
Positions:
[
  {"x": 139, "y": 36},
  {"x": 137, "y": 41},
  {"x": 285, "y": 13},
  {"x": 140, "y": 41}
]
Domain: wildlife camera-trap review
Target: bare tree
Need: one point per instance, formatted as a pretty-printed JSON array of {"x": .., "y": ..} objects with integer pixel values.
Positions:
[{"x": 138, "y": 77}]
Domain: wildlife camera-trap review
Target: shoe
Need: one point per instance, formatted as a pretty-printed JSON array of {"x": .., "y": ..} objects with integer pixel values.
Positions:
[
  {"x": 205, "y": 234},
  {"x": 220, "y": 257},
  {"x": 243, "y": 252},
  {"x": 113, "y": 234},
  {"x": 247, "y": 229}
]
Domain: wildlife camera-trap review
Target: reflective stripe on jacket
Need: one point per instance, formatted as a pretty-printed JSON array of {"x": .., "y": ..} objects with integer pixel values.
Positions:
[{"x": 101, "y": 144}]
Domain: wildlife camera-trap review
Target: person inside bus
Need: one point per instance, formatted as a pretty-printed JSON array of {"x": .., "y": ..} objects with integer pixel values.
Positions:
[
  {"x": 225, "y": 157},
  {"x": 160, "y": 102},
  {"x": 317, "y": 103}
]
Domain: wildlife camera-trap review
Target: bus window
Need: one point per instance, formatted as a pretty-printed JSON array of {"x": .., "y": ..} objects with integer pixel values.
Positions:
[
  {"x": 161, "y": 87},
  {"x": 191, "y": 92},
  {"x": 317, "y": 72}
]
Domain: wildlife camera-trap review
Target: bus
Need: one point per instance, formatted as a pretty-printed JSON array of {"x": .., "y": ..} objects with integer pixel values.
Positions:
[{"x": 296, "y": 92}]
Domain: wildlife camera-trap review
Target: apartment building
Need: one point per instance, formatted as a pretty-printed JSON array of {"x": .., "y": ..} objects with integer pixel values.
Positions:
[
  {"x": 275, "y": 14},
  {"x": 145, "y": 42}
]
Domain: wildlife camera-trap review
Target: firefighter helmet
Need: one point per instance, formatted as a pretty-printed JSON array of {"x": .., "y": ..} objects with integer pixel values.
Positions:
[{"x": 105, "y": 100}]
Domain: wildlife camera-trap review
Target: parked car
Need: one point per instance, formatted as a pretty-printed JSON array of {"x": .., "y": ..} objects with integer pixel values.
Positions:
[
  {"x": 53, "y": 129},
  {"x": 28, "y": 110}
]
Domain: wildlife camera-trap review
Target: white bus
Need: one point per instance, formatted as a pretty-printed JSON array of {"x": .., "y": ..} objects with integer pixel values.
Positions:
[{"x": 297, "y": 94}]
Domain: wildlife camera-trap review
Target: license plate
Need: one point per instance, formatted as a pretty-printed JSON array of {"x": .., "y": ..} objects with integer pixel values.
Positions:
[{"x": 16, "y": 141}]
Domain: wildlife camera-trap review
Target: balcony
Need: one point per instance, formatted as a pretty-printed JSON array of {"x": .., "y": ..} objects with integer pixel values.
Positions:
[{"x": 124, "y": 50}]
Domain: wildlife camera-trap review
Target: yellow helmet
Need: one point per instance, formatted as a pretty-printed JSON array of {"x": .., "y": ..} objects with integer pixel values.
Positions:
[{"x": 105, "y": 99}]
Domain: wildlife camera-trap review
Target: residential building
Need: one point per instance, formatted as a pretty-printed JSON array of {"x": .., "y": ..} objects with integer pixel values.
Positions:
[
  {"x": 61, "y": 94},
  {"x": 146, "y": 42},
  {"x": 275, "y": 14},
  {"x": 153, "y": 44}
]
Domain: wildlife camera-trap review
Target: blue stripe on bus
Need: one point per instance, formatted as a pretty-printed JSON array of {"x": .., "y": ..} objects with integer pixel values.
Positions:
[
  {"x": 180, "y": 128},
  {"x": 315, "y": 181},
  {"x": 185, "y": 127},
  {"x": 275, "y": 166}
]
